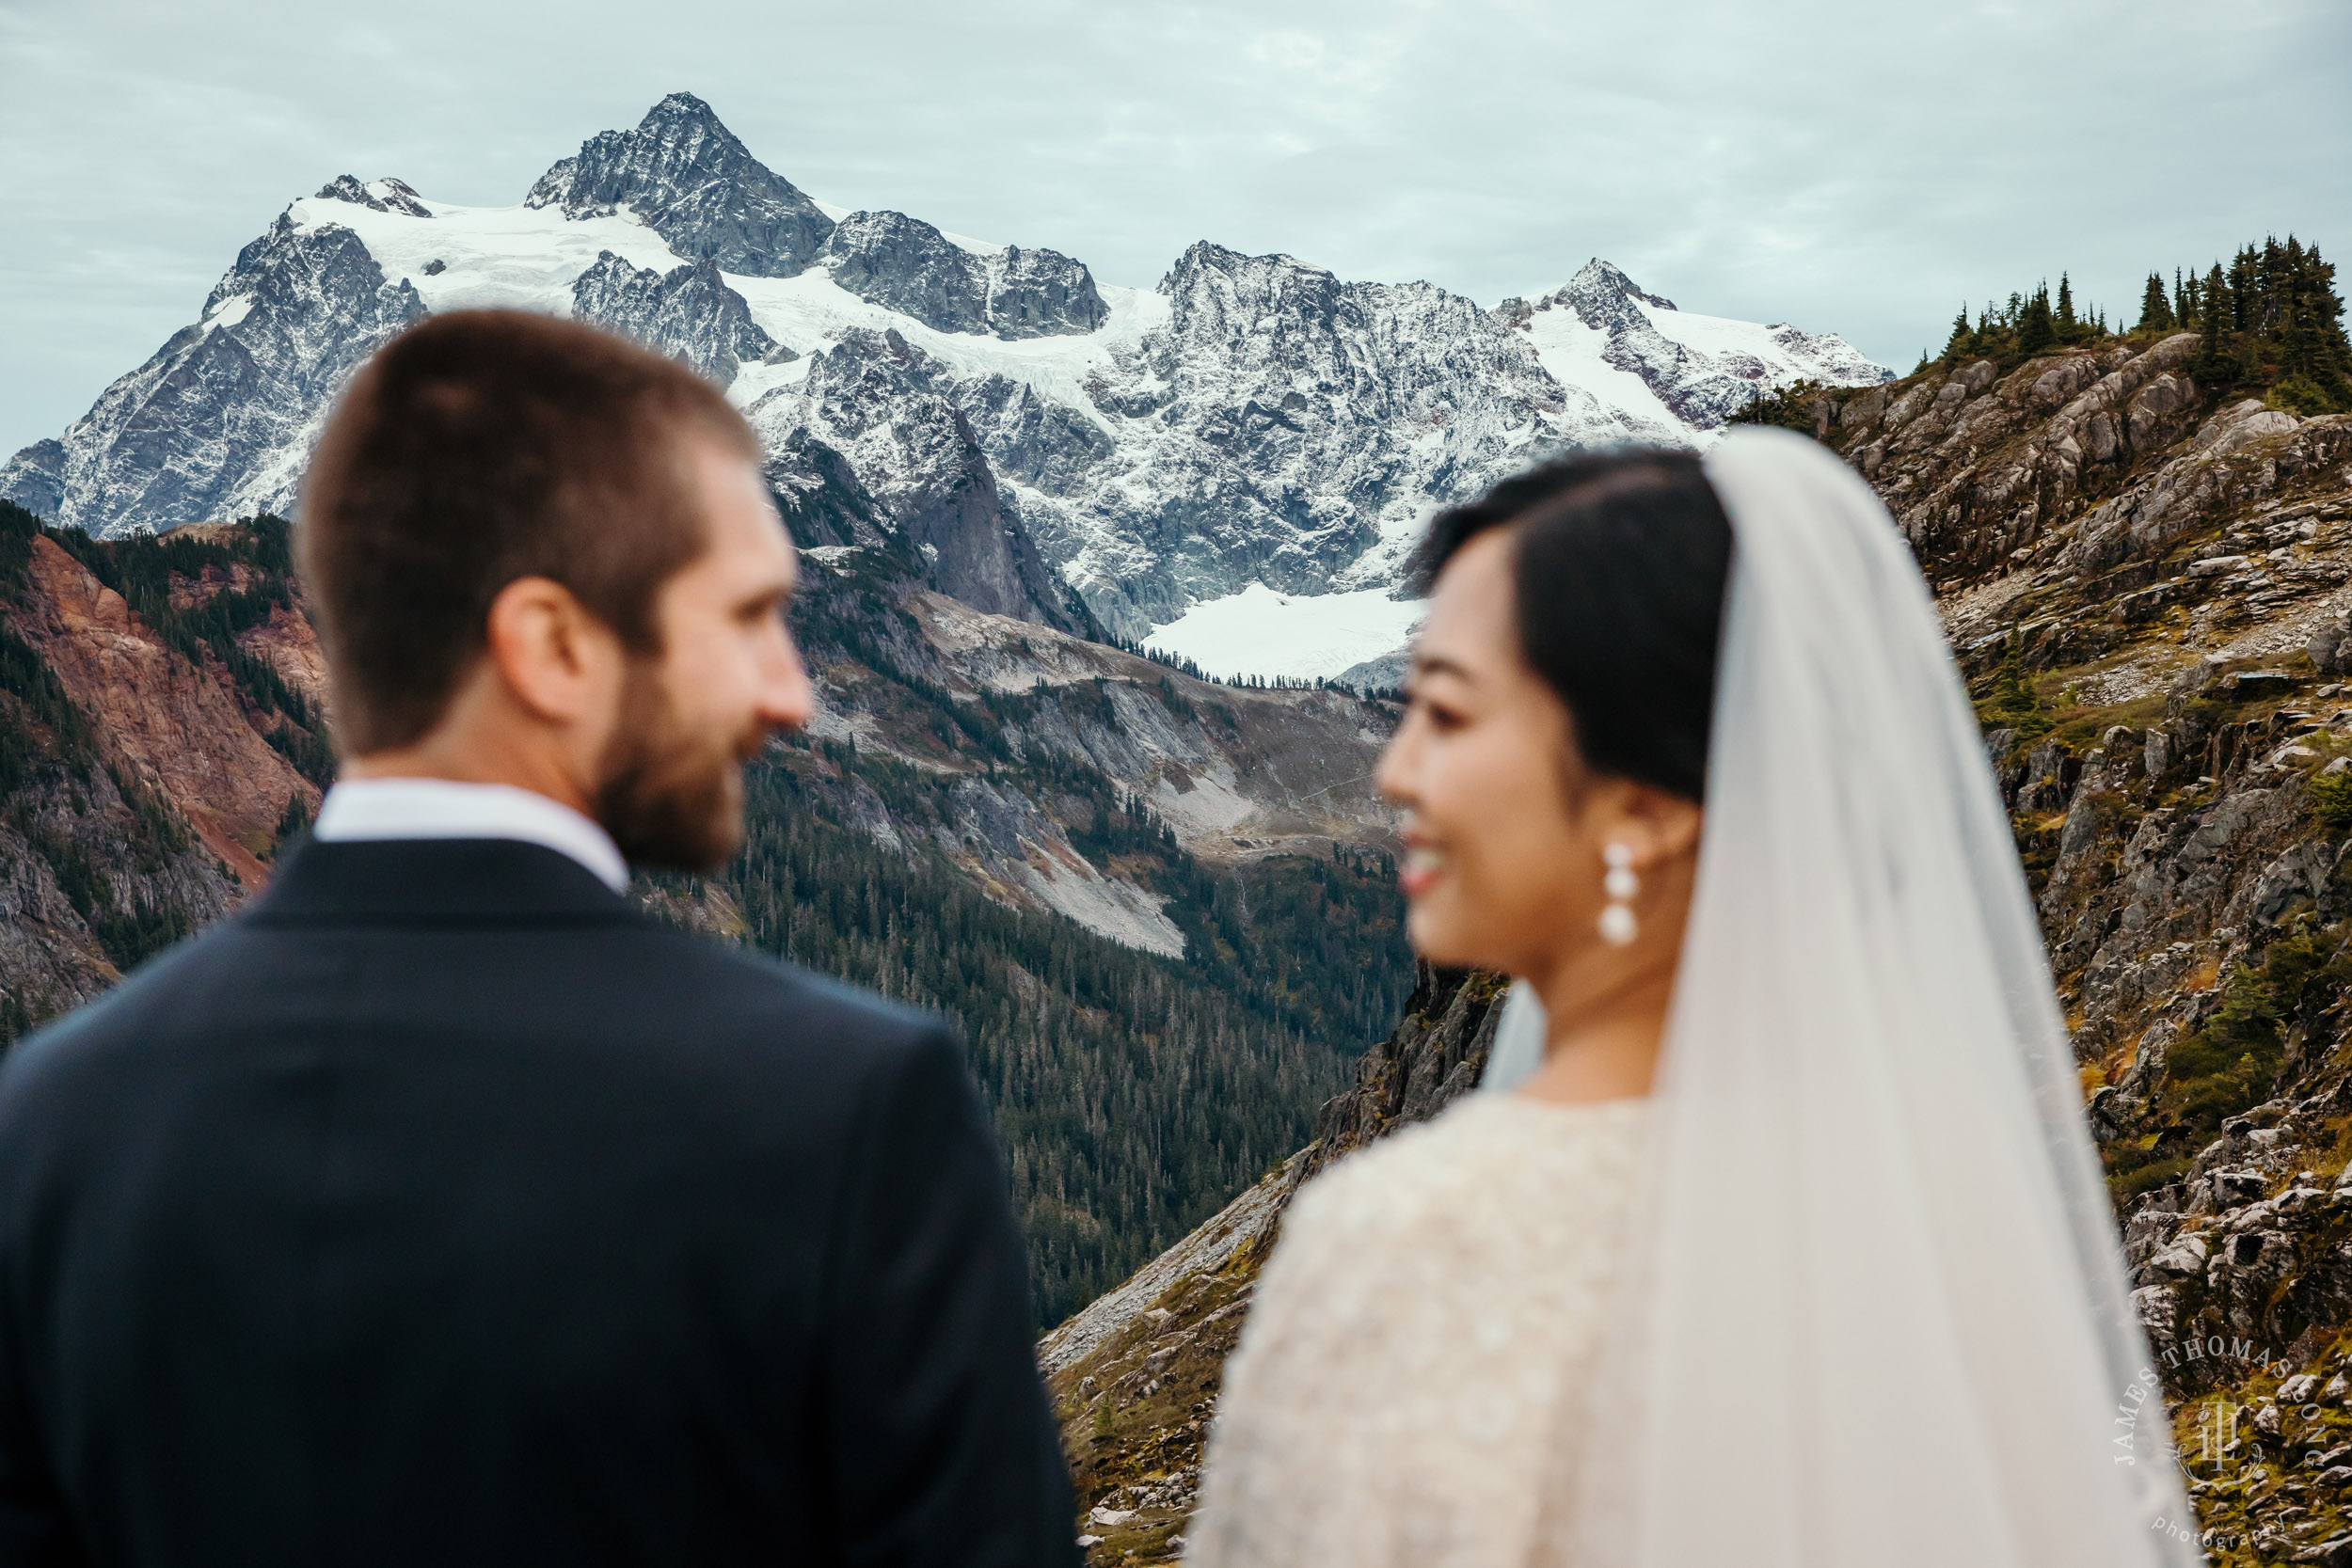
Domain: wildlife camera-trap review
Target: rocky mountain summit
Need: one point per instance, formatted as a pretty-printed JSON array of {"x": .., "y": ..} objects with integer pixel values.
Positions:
[
  {"x": 1704, "y": 377},
  {"x": 225, "y": 411},
  {"x": 1251, "y": 421},
  {"x": 687, "y": 178}
]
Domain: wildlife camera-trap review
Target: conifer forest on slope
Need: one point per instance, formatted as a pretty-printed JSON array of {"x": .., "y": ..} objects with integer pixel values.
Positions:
[{"x": 1133, "y": 1092}]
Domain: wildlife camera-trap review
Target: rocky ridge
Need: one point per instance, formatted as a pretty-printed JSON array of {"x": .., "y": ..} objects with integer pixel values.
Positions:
[
  {"x": 906, "y": 266},
  {"x": 1699, "y": 386},
  {"x": 2150, "y": 584},
  {"x": 1251, "y": 419},
  {"x": 220, "y": 421},
  {"x": 145, "y": 774},
  {"x": 880, "y": 420}
]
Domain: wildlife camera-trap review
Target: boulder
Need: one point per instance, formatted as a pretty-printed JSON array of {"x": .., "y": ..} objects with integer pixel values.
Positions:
[
  {"x": 2159, "y": 412},
  {"x": 2248, "y": 685},
  {"x": 2331, "y": 642}
]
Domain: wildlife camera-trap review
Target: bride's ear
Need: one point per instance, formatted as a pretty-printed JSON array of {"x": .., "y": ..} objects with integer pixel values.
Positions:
[{"x": 1657, "y": 825}]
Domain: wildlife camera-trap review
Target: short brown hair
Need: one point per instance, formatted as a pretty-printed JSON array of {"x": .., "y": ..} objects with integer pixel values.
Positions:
[{"x": 481, "y": 447}]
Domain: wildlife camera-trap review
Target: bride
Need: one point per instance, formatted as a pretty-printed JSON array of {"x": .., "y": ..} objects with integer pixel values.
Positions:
[{"x": 1779, "y": 1239}]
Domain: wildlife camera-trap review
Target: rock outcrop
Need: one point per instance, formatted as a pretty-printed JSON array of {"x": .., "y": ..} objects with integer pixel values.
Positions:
[
  {"x": 145, "y": 774},
  {"x": 384, "y": 196},
  {"x": 689, "y": 314},
  {"x": 689, "y": 180},
  {"x": 1036, "y": 293},
  {"x": 908, "y": 455},
  {"x": 904, "y": 265}
]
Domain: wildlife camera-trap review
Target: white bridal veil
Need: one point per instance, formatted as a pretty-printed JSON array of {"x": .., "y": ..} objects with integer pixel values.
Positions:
[{"x": 1874, "y": 1309}]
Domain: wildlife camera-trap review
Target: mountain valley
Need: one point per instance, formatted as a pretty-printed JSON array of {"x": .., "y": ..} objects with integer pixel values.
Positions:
[{"x": 1033, "y": 507}]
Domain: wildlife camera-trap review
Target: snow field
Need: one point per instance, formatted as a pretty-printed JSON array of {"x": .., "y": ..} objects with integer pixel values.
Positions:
[{"x": 1300, "y": 636}]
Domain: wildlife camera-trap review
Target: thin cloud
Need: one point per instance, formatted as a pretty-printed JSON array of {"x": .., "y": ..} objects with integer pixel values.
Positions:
[{"x": 1851, "y": 170}]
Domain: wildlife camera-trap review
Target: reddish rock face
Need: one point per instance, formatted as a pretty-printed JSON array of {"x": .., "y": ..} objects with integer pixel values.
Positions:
[
  {"x": 287, "y": 644},
  {"x": 167, "y": 724},
  {"x": 187, "y": 593}
]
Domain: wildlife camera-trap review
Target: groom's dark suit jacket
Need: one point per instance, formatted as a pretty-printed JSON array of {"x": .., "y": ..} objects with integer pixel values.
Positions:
[{"x": 444, "y": 1210}]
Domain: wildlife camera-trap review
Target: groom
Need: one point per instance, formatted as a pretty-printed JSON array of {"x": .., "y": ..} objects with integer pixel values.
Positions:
[{"x": 445, "y": 1209}]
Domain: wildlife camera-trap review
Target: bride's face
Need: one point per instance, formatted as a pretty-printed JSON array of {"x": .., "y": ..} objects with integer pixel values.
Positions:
[{"x": 1504, "y": 827}]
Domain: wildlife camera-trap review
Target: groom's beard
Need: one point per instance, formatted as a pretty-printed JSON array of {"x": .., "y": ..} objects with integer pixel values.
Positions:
[{"x": 669, "y": 797}]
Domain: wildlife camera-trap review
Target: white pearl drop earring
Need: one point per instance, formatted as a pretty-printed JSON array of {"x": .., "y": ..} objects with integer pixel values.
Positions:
[{"x": 1617, "y": 924}]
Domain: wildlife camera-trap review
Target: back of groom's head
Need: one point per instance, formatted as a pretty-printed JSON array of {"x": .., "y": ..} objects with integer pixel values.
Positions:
[
  {"x": 542, "y": 556},
  {"x": 482, "y": 447}
]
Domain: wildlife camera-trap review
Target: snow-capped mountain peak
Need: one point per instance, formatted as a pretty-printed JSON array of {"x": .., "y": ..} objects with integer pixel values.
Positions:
[
  {"x": 689, "y": 180},
  {"x": 1254, "y": 425},
  {"x": 1658, "y": 362},
  {"x": 1604, "y": 285},
  {"x": 381, "y": 196}
]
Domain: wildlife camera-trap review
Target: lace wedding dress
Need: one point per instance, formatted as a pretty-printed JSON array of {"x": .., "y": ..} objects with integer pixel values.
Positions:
[{"x": 1393, "y": 1397}]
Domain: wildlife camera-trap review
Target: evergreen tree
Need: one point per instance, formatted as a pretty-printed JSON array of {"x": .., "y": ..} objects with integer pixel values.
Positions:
[
  {"x": 2327, "y": 307},
  {"x": 2266, "y": 314},
  {"x": 1962, "y": 340},
  {"x": 2215, "y": 310},
  {"x": 2068, "y": 329},
  {"x": 2313, "y": 358},
  {"x": 2269, "y": 321},
  {"x": 2038, "y": 329}
]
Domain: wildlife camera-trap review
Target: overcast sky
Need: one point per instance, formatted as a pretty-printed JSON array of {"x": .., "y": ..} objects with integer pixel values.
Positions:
[{"x": 1855, "y": 167}]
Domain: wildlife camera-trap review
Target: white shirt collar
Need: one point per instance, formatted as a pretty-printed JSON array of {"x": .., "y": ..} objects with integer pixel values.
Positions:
[{"x": 443, "y": 808}]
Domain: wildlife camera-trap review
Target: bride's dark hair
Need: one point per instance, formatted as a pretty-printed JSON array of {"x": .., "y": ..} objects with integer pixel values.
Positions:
[{"x": 1620, "y": 564}]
